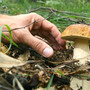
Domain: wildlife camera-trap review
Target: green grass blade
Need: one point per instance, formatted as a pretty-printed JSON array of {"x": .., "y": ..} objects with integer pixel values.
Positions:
[
  {"x": 1, "y": 28},
  {"x": 10, "y": 34},
  {"x": 60, "y": 73},
  {"x": 50, "y": 82},
  {"x": 9, "y": 40},
  {"x": 88, "y": 77}
]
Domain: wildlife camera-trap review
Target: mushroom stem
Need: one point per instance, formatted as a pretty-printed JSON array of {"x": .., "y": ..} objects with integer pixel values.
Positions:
[{"x": 81, "y": 49}]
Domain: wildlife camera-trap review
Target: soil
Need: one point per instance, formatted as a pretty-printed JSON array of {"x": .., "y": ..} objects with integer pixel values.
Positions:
[{"x": 37, "y": 74}]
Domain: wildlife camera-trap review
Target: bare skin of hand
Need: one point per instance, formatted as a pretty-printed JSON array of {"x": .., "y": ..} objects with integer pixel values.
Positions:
[{"x": 44, "y": 29}]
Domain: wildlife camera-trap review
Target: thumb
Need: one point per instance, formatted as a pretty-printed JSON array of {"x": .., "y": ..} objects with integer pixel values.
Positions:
[{"x": 38, "y": 45}]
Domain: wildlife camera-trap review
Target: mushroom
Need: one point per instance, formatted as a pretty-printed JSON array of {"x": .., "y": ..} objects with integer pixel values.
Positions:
[{"x": 80, "y": 34}]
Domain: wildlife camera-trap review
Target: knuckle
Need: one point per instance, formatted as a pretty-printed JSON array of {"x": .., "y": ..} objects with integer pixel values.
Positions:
[
  {"x": 38, "y": 45},
  {"x": 36, "y": 15},
  {"x": 33, "y": 13}
]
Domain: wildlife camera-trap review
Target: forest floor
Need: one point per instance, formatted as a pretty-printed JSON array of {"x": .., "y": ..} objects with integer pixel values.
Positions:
[{"x": 60, "y": 72}]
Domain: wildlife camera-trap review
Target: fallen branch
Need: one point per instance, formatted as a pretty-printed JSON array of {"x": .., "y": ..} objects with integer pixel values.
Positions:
[{"x": 55, "y": 10}]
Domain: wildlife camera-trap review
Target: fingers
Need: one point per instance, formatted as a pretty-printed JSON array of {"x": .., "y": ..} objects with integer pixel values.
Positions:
[
  {"x": 51, "y": 40},
  {"x": 38, "y": 45},
  {"x": 54, "y": 32},
  {"x": 47, "y": 26}
]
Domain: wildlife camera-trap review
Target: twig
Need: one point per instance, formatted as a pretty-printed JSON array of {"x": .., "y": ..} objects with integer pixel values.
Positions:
[
  {"x": 63, "y": 64},
  {"x": 39, "y": 67},
  {"x": 80, "y": 21},
  {"x": 54, "y": 10},
  {"x": 4, "y": 88},
  {"x": 26, "y": 25},
  {"x": 16, "y": 81}
]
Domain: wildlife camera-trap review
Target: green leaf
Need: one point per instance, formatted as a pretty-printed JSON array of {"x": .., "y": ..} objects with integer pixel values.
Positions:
[{"x": 50, "y": 82}]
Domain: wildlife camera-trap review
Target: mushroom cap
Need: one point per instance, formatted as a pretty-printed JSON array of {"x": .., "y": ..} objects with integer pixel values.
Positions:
[{"x": 76, "y": 31}]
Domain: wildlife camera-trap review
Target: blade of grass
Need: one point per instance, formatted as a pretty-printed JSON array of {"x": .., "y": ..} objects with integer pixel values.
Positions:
[
  {"x": 88, "y": 77},
  {"x": 60, "y": 73},
  {"x": 1, "y": 35},
  {"x": 50, "y": 82},
  {"x": 10, "y": 34},
  {"x": 9, "y": 40}
]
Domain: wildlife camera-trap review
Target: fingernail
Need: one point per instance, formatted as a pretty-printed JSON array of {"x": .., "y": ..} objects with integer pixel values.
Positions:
[{"x": 47, "y": 52}]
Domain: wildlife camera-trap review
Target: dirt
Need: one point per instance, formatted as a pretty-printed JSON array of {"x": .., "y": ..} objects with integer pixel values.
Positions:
[{"x": 37, "y": 74}]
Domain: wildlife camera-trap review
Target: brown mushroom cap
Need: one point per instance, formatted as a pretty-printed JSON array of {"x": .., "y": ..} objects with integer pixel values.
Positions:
[{"x": 75, "y": 31}]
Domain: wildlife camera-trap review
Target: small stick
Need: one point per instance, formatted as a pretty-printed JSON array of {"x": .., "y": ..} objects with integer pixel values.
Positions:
[{"x": 26, "y": 25}]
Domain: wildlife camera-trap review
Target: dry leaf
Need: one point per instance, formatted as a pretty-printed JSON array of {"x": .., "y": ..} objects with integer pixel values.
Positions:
[
  {"x": 4, "y": 48},
  {"x": 77, "y": 84},
  {"x": 7, "y": 61},
  {"x": 24, "y": 56}
]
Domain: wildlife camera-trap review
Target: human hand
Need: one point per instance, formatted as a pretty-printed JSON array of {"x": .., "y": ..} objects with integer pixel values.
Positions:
[{"x": 44, "y": 29}]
